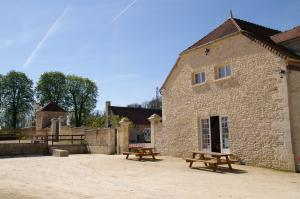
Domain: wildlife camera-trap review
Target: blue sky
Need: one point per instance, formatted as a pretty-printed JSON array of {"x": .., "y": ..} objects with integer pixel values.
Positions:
[{"x": 126, "y": 46}]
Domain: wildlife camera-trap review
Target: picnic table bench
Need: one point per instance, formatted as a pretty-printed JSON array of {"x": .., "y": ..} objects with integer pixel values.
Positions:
[
  {"x": 140, "y": 152},
  {"x": 210, "y": 159}
]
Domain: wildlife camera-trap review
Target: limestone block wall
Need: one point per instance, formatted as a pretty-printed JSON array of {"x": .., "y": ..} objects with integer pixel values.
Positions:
[
  {"x": 65, "y": 130},
  {"x": 294, "y": 102},
  {"x": 254, "y": 98},
  {"x": 100, "y": 141}
]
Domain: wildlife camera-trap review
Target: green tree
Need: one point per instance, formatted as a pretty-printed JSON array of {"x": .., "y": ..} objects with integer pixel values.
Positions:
[
  {"x": 1, "y": 91},
  {"x": 51, "y": 87},
  {"x": 82, "y": 97},
  {"x": 134, "y": 105},
  {"x": 17, "y": 97},
  {"x": 1, "y": 99}
]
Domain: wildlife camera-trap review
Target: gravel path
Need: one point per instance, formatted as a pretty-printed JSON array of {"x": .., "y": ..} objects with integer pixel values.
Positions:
[{"x": 103, "y": 176}]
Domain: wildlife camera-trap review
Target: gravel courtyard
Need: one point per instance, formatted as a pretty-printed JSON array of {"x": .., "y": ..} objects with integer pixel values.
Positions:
[{"x": 103, "y": 176}]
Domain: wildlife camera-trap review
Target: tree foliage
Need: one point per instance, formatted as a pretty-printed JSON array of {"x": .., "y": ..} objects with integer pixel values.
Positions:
[
  {"x": 154, "y": 103},
  {"x": 81, "y": 96},
  {"x": 1, "y": 91},
  {"x": 17, "y": 97},
  {"x": 135, "y": 105},
  {"x": 98, "y": 120},
  {"x": 51, "y": 87}
]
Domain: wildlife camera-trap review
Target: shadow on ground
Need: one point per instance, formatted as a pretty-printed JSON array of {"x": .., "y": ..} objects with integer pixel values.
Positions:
[{"x": 221, "y": 170}]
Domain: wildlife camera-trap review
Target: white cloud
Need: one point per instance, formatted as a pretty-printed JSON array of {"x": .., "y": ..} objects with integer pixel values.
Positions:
[
  {"x": 123, "y": 11},
  {"x": 52, "y": 30}
]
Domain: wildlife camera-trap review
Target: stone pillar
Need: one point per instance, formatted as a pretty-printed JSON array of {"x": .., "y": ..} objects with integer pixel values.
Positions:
[
  {"x": 123, "y": 136},
  {"x": 53, "y": 126},
  {"x": 155, "y": 126},
  {"x": 107, "y": 114},
  {"x": 61, "y": 120}
]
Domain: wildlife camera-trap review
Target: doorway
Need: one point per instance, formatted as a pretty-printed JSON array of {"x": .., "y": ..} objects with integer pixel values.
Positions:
[{"x": 215, "y": 134}]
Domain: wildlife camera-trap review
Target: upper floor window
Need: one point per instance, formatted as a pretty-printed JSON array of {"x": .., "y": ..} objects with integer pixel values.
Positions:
[
  {"x": 199, "y": 78},
  {"x": 224, "y": 71}
]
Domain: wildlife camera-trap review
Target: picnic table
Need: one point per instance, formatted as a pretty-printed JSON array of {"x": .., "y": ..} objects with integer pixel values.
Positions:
[
  {"x": 211, "y": 159},
  {"x": 140, "y": 152}
]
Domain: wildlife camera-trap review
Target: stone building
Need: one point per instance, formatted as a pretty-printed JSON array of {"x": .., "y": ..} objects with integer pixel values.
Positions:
[
  {"x": 46, "y": 113},
  {"x": 236, "y": 90},
  {"x": 140, "y": 131}
]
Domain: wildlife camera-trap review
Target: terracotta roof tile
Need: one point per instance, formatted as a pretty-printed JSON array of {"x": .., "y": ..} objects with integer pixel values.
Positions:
[
  {"x": 51, "y": 106},
  {"x": 254, "y": 31},
  {"x": 136, "y": 115}
]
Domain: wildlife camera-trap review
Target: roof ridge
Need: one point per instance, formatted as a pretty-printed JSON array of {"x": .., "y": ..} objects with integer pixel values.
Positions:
[
  {"x": 136, "y": 108},
  {"x": 289, "y": 29},
  {"x": 235, "y": 23},
  {"x": 258, "y": 25}
]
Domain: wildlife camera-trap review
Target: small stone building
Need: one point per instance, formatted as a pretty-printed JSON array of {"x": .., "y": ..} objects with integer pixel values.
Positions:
[
  {"x": 140, "y": 131},
  {"x": 46, "y": 113},
  {"x": 236, "y": 90}
]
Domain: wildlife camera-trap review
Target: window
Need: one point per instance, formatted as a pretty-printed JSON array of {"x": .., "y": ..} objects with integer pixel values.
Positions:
[
  {"x": 205, "y": 134},
  {"x": 199, "y": 78},
  {"x": 224, "y": 71},
  {"x": 225, "y": 132}
]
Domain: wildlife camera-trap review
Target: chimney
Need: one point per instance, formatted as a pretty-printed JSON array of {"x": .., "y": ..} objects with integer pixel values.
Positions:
[{"x": 107, "y": 114}]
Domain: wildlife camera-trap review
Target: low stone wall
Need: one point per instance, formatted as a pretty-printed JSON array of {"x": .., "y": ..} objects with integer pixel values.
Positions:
[
  {"x": 100, "y": 141},
  {"x": 65, "y": 130},
  {"x": 7, "y": 149},
  {"x": 72, "y": 149}
]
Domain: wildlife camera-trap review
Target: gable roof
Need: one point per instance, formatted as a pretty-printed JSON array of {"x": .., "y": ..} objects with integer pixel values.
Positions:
[
  {"x": 260, "y": 34},
  {"x": 287, "y": 35},
  {"x": 53, "y": 107},
  {"x": 136, "y": 115}
]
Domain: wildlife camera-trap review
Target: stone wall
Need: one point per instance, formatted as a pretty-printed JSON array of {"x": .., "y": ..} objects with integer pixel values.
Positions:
[
  {"x": 101, "y": 141},
  {"x": 294, "y": 102},
  {"x": 65, "y": 130},
  {"x": 72, "y": 149},
  {"x": 254, "y": 98},
  {"x": 23, "y": 149}
]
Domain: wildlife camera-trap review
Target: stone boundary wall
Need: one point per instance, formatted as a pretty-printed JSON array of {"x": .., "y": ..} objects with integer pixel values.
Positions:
[
  {"x": 100, "y": 141},
  {"x": 65, "y": 130},
  {"x": 73, "y": 149},
  {"x": 23, "y": 149}
]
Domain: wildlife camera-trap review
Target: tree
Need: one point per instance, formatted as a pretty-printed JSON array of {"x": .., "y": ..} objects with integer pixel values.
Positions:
[
  {"x": 1, "y": 91},
  {"x": 51, "y": 87},
  {"x": 82, "y": 97},
  {"x": 134, "y": 105},
  {"x": 1, "y": 107},
  {"x": 154, "y": 103},
  {"x": 17, "y": 97}
]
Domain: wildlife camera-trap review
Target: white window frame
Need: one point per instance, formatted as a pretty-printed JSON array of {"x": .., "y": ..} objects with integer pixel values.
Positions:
[
  {"x": 227, "y": 74},
  {"x": 195, "y": 77},
  {"x": 224, "y": 150},
  {"x": 209, "y": 133}
]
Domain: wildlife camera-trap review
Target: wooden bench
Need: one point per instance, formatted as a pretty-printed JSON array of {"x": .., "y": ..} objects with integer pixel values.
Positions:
[
  {"x": 140, "y": 152},
  {"x": 212, "y": 162},
  {"x": 127, "y": 154}
]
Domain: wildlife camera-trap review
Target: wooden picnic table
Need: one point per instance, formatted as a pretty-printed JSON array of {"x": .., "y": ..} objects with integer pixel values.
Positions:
[
  {"x": 140, "y": 152},
  {"x": 211, "y": 159}
]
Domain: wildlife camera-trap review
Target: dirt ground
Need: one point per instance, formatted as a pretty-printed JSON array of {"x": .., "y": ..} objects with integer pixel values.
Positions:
[{"x": 103, "y": 176}]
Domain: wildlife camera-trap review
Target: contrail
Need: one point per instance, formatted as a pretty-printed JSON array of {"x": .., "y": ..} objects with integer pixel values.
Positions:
[
  {"x": 53, "y": 28},
  {"x": 123, "y": 11}
]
